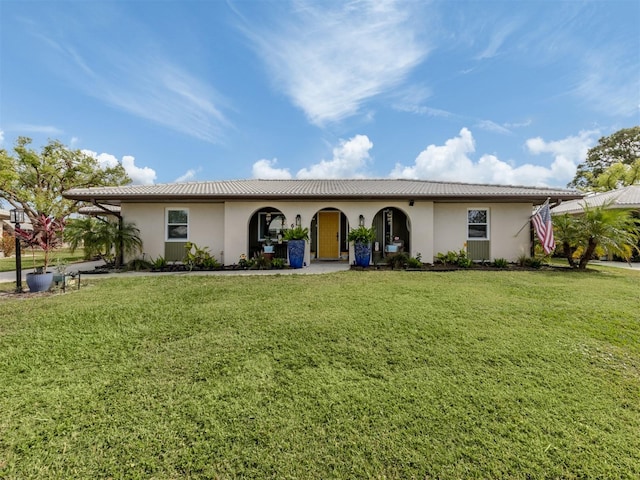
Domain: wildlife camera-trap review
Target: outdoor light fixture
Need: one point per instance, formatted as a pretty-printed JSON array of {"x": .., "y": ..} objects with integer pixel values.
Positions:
[
  {"x": 298, "y": 220},
  {"x": 361, "y": 220},
  {"x": 268, "y": 216},
  {"x": 16, "y": 216},
  {"x": 411, "y": 203}
]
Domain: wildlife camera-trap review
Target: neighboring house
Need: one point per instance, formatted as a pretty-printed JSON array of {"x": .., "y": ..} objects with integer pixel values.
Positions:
[
  {"x": 625, "y": 197},
  {"x": 233, "y": 218}
]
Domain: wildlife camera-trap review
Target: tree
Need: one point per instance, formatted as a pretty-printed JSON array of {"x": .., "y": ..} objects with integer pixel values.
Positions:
[
  {"x": 615, "y": 230},
  {"x": 35, "y": 181},
  {"x": 105, "y": 239},
  {"x": 618, "y": 175},
  {"x": 621, "y": 147}
]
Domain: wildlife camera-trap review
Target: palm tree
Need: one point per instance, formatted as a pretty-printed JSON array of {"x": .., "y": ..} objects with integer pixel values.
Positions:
[
  {"x": 567, "y": 235},
  {"x": 108, "y": 240},
  {"x": 615, "y": 230},
  {"x": 84, "y": 232}
]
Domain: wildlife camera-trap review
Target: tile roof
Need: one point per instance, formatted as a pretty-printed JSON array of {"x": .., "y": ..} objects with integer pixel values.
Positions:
[
  {"x": 626, "y": 197},
  {"x": 314, "y": 189}
]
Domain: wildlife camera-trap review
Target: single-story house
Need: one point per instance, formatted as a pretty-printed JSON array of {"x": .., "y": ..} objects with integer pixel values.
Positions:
[
  {"x": 236, "y": 217},
  {"x": 625, "y": 197}
]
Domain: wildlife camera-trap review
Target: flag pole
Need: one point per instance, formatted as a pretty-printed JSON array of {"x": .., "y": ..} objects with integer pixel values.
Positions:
[{"x": 530, "y": 216}]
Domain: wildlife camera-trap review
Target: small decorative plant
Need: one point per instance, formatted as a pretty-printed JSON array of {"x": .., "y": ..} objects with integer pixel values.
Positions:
[
  {"x": 296, "y": 233},
  {"x": 362, "y": 234},
  {"x": 199, "y": 258},
  {"x": 46, "y": 235},
  {"x": 500, "y": 263}
]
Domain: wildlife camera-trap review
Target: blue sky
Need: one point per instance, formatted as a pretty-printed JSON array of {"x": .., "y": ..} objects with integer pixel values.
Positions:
[{"x": 506, "y": 92}]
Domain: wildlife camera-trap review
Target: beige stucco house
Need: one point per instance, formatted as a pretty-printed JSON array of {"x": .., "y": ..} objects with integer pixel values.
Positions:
[{"x": 234, "y": 218}]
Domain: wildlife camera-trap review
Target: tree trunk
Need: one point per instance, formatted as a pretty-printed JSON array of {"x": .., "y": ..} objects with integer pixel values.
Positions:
[
  {"x": 588, "y": 253},
  {"x": 568, "y": 252}
]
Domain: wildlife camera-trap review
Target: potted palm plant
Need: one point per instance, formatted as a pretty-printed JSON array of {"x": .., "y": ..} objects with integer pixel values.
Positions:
[
  {"x": 47, "y": 236},
  {"x": 295, "y": 238},
  {"x": 362, "y": 238}
]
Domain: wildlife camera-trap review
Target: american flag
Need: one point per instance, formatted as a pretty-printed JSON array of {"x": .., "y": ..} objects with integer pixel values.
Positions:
[{"x": 544, "y": 228}]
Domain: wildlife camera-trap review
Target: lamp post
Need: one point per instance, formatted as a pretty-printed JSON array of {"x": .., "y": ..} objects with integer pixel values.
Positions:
[{"x": 17, "y": 217}]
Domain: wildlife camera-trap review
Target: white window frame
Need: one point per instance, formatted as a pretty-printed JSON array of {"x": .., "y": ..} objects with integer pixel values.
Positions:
[
  {"x": 488, "y": 224},
  {"x": 167, "y": 224}
]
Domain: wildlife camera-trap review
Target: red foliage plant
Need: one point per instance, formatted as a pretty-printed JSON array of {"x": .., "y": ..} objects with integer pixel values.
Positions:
[{"x": 46, "y": 235}]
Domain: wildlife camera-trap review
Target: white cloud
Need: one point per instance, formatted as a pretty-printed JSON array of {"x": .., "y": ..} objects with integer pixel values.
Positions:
[
  {"x": 609, "y": 82},
  {"x": 266, "y": 169},
  {"x": 452, "y": 162},
  {"x": 331, "y": 61},
  {"x": 499, "y": 35},
  {"x": 188, "y": 175},
  {"x": 349, "y": 160},
  {"x": 105, "y": 160},
  {"x": 1, "y": 137},
  {"x": 445, "y": 162},
  {"x": 491, "y": 126},
  {"x": 30, "y": 128},
  {"x": 139, "y": 80},
  {"x": 139, "y": 176}
]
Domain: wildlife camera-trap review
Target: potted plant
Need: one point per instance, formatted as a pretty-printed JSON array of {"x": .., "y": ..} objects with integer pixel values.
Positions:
[
  {"x": 46, "y": 235},
  {"x": 295, "y": 238},
  {"x": 362, "y": 238},
  {"x": 268, "y": 244}
]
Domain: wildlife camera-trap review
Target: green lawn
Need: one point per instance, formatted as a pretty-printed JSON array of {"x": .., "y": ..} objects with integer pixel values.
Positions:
[
  {"x": 27, "y": 259},
  {"x": 384, "y": 375}
]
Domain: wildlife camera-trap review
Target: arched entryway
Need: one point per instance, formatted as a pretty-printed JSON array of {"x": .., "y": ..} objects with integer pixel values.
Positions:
[
  {"x": 328, "y": 235},
  {"x": 265, "y": 227},
  {"x": 393, "y": 232}
]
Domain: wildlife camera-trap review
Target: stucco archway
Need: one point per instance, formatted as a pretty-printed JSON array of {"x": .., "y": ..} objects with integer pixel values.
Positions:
[
  {"x": 328, "y": 235},
  {"x": 393, "y": 229},
  {"x": 266, "y": 223}
]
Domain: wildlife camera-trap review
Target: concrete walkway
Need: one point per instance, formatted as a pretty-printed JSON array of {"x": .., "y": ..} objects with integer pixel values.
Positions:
[
  {"x": 606, "y": 263},
  {"x": 313, "y": 269}
]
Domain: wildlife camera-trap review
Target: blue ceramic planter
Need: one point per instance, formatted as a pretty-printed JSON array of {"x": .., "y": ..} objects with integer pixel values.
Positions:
[
  {"x": 363, "y": 253},
  {"x": 295, "y": 248},
  {"x": 39, "y": 282}
]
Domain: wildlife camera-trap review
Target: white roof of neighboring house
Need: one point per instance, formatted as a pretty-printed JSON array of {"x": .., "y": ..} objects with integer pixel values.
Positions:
[
  {"x": 626, "y": 197},
  {"x": 97, "y": 211},
  {"x": 319, "y": 189}
]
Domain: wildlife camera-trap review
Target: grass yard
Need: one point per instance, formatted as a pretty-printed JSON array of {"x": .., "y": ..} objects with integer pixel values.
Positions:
[
  {"x": 384, "y": 375},
  {"x": 63, "y": 255}
]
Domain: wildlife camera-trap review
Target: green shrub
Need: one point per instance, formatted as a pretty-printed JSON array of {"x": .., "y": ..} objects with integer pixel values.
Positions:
[
  {"x": 277, "y": 263},
  {"x": 199, "y": 258},
  {"x": 159, "y": 263},
  {"x": 500, "y": 263},
  {"x": 533, "y": 262},
  {"x": 414, "y": 262},
  {"x": 398, "y": 260},
  {"x": 138, "y": 264}
]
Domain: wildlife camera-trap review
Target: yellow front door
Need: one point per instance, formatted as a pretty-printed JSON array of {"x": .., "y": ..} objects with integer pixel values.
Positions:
[{"x": 328, "y": 235}]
